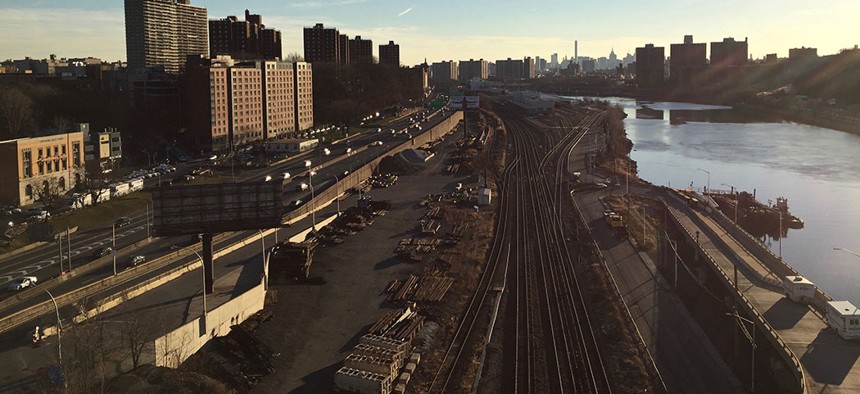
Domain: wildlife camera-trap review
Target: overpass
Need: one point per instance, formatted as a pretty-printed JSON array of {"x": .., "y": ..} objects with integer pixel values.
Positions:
[{"x": 821, "y": 361}]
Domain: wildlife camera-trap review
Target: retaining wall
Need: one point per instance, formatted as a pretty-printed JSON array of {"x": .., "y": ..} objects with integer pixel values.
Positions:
[
  {"x": 176, "y": 346},
  {"x": 773, "y": 337}
]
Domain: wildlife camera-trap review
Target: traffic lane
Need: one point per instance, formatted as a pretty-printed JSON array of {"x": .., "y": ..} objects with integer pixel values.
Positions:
[
  {"x": 153, "y": 250},
  {"x": 46, "y": 265}
]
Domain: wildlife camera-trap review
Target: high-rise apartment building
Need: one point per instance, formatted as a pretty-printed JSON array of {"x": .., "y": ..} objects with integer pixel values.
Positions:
[
  {"x": 802, "y": 53},
  {"x": 528, "y": 68},
  {"x": 360, "y": 51},
  {"x": 509, "y": 69},
  {"x": 649, "y": 66},
  {"x": 389, "y": 54},
  {"x": 323, "y": 44},
  {"x": 248, "y": 39},
  {"x": 553, "y": 60},
  {"x": 473, "y": 69},
  {"x": 686, "y": 61},
  {"x": 343, "y": 45},
  {"x": 729, "y": 52},
  {"x": 231, "y": 103},
  {"x": 164, "y": 33},
  {"x": 444, "y": 70},
  {"x": 304, "y": 95}
]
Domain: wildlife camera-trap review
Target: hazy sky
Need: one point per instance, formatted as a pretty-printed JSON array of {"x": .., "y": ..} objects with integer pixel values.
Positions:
[{"x": 459, "y": 30}]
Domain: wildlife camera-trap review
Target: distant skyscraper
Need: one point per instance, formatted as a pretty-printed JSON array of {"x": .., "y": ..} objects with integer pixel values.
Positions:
[
  {"x": 686, "y": 61},
  {"x": 322, "y": 44},
  {"x": 248, "y": 39},
  {"x": 729, "y": 52},
  {"x": 538, "y": 61},
  {"x": 164, "y": 33},
  {"x": 553, "y": 60},
  {"x": 360, "y": 50},
  {"x": 802, "y": 53},
  {"x": 389, "y": 54},
  {"x": 343, "y": 44},
  {"x": 649, "y": 66},
  {"x": 509, "y": 69}
]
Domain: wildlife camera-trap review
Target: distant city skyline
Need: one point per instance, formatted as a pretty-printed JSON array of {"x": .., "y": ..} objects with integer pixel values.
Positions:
[{"x": 449, "y": 30}]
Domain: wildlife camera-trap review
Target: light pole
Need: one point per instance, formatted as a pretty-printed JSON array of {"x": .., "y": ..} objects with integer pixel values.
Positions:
[
  {"x": 265, "y": 266},
  {"x": 113, "y": 246},
  {"x": 313, "y": 200},
  {"x": 709, "y": 179},
  {"x": 337, "y": 198},
  {"x": 203, "y": 266},
  {"x": 751, "y": 337},
  {"x": 737, "y": 200},
  {"x": 59, "y": 334}
]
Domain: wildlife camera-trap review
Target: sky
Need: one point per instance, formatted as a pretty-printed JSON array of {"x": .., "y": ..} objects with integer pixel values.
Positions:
[{"x": 461, "y": 30}]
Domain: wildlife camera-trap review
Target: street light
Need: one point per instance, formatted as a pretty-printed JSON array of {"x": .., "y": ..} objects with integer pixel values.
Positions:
[
  {"x": 59, "y": 334},
  {"x": 113, "y": 246},
  {"x": 313, "y": 199},
  {"x": 737, "y": 200},
  {"x": 847, "y": 251},
  {"x": 203, "y": 266},
  {"x": 751, "y": 337},
  {"x": 709, "y": 179},
  {"x": 337, "y": 198},
  {"x": 265, "y": 266}
]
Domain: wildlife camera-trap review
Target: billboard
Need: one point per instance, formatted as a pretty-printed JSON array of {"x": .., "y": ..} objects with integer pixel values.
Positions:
[
  {"x": 195, "y": 209},
  {"x": 471, "y": 102}
]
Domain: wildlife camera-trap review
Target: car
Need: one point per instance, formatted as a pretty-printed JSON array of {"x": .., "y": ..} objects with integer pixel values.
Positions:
[
  {"x": 296, "y": 203},
  {"x": 302, "y": 187},
  {"x": 376, "y": 143},
  {"x": 379, "y": 129},
  {"x": 136, "y": 260},
  {"x": 123, "y": 221},
  {"x": 601, "y": 185},
  {"x": 107, "y": 250},
  {"x": 23, "y": 283}
]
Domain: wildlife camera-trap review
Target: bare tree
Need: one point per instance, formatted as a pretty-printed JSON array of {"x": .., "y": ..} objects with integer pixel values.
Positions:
[
  {"x": 293, "y": 57},
  {"x": 138, "y": 334},
  {"x": 16, "y": 111},
  {"x": 47, "y": 191}
]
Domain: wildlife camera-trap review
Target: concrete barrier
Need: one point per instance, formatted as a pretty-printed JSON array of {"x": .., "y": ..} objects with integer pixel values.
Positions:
[{"x": 176, "y": 346}]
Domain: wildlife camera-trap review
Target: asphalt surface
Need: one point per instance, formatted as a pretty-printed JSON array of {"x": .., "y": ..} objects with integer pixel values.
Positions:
[
  {"x": 19, "y": 361},
  {"x": 682, "y": 352},
  {"x": 316, "y": 325},
  {"x": 42, "y": 262}
]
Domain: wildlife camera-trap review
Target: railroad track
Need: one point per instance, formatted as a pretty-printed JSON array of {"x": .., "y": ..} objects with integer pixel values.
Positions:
[{"x": 549, "y": 343}]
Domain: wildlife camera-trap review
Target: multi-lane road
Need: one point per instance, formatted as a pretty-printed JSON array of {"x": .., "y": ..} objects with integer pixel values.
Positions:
[{"x": 43, "y": 262}]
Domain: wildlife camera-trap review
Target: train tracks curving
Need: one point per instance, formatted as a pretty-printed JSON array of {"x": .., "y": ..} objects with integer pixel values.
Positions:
[{"x": 549, "y": 345}]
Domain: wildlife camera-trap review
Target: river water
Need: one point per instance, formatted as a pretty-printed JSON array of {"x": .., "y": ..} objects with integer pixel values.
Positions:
[{"x": 817, "y": 169}]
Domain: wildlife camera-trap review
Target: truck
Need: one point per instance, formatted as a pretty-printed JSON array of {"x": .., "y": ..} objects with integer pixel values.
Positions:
[
  {"x": 135, "y": 185},
  {"x": 844, "y": 318},
  {"x": 616, "y": 222},
  {"x": 799, "y": 289},
  {"x": 292, "y": 259}
]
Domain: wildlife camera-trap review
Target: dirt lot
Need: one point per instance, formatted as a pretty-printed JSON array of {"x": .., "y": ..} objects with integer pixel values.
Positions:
[{"x": 315, "y": 325}]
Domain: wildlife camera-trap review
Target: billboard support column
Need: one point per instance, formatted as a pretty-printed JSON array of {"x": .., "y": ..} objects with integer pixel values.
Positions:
[{"x": 207, "y": 263}]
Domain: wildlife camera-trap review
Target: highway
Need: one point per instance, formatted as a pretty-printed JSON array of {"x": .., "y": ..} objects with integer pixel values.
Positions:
[{"x": 42, "y": 261}]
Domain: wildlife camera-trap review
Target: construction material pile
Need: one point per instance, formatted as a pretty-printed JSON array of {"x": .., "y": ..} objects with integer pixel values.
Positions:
[
  {"x": 374, "y": 364},
  {"x": 419, "y": 288}
]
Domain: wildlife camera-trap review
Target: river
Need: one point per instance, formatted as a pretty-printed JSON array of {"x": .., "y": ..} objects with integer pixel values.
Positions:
[{"x": 816, "y": 168}]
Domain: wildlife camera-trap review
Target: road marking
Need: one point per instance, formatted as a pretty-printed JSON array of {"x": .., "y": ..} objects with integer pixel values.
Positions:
[{"x": 76, "y": 252}]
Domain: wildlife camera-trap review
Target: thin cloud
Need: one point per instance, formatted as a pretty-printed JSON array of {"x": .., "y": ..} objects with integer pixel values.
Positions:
[{"x": 406, "y": 11}]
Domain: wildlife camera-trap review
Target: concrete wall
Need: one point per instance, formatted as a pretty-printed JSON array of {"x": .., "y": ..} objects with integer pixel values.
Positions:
[
  {"x": 782, "y": 348},
  {"x": 176, "y": 346}
]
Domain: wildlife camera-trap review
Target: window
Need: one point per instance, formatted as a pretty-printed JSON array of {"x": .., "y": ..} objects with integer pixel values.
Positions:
[
  {"x": 28, "y": 190},
  {"x": 76, "y": 152},
  {"x": 27, "y": 163}
]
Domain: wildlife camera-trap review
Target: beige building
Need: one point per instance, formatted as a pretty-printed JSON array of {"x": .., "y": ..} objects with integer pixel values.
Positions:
[
  {"x": 230, "y": 103},
  {"x": 304, "y": 96},
  {"x": 278, "y": 80},
  {"x": 54, "y": 162}
]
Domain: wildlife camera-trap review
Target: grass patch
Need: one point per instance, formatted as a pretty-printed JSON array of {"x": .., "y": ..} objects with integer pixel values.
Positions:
[
  {"x": 104, "y": 213},
  {"x": 20, "y": 241}
]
